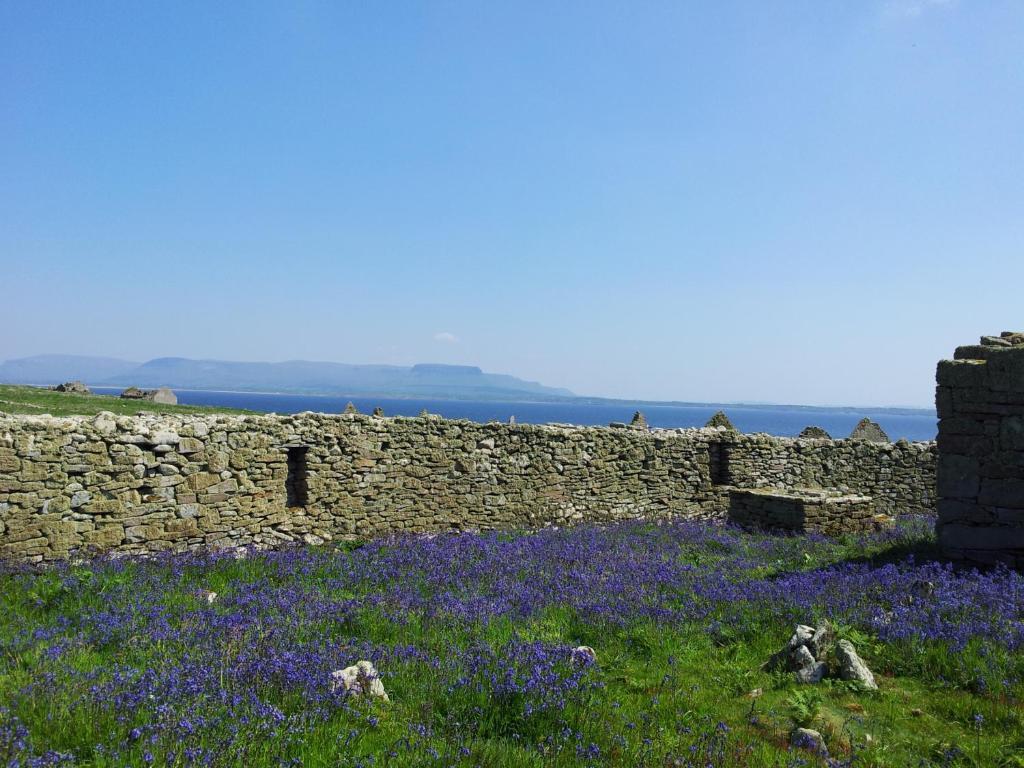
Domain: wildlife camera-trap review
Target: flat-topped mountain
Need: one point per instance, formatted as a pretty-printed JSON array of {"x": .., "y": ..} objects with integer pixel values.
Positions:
[{"x": 423, "y": 380}]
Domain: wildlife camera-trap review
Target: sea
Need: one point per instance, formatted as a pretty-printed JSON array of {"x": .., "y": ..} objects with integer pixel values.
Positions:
[{"x": 905, "y": 423}]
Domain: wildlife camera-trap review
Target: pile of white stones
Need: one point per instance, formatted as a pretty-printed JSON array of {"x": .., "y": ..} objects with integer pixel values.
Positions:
[{"x": 807, "y": 652}]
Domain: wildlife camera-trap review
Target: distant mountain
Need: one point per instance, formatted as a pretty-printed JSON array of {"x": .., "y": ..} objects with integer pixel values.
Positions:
[
  {"x": 54, "y": 369},
  {"x": 424, "y": 380}
]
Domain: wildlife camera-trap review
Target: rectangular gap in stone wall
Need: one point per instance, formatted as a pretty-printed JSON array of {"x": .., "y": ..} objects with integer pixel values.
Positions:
[
  {"x": 296, "y": 488},
  {"x": 718, "y": 463}
]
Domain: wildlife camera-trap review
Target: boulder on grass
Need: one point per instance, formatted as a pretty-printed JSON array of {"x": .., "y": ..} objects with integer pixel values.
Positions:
[
  {"x": 74, "y": 387},
  {"x": 361, "y": 679},
  {"x": 852, "y": 666}
]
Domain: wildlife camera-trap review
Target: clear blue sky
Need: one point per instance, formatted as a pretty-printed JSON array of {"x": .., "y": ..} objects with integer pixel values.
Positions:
[{"x": 804, "y": 202}]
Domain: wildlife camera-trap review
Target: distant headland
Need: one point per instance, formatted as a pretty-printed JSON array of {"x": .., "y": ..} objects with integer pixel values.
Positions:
[{"x": 301, "y": 377}]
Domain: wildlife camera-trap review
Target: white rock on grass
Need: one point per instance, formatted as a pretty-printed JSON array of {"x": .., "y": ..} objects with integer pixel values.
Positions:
[
  {"x": 852, "y": 667},
  {"x": 361, "y": 679}
]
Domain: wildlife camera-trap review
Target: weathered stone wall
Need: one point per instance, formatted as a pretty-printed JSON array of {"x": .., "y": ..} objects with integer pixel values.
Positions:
[
  {"x": 980, "y": 402},
  {"x": 899, "y": 476},
  {"x": 804, "y": 511},
  {"x": 146, "y": 483}
]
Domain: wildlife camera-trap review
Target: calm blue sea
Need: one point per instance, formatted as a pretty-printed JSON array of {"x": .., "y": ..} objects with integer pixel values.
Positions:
[{"x": 775, "y": 420}]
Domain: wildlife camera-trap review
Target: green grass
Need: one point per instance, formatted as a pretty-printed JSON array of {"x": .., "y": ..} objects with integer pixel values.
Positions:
[
  {"x": 39, "y": 400},
  {"x": 657, "y": 685}
]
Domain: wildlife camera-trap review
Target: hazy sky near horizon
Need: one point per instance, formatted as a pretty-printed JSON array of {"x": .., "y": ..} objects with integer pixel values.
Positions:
[{"x": 798, "y": 202}]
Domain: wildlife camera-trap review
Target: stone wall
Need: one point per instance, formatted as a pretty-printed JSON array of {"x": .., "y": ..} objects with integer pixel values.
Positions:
[
  {"x": 153, "y": 482},
  {"x": 980, "y": 402},
  {"x": 804, "y": 510},
  {"x": 899, "y": 476}
]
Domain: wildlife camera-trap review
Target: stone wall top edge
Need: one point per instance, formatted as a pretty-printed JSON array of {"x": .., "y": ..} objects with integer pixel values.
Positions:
[{"x": 147, "y": 421}]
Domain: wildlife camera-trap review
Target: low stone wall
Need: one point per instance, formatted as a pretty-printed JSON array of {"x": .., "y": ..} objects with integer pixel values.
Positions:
[
  {"x": 980, "y": 402},
  {"x": 899, "y": 476},
  {"x": 154, "y": 482},
  {"x": 803, "y": 510}
]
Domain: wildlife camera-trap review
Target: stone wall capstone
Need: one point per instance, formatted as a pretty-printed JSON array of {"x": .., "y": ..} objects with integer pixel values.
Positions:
[{"x": 160, "y": 482}]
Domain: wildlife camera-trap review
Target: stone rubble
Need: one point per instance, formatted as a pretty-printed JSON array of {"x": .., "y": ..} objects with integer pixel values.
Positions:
[{"x": 807, "y": 656}]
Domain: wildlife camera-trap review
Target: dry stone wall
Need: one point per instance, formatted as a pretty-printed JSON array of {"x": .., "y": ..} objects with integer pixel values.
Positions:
[
  {"x": 804, "y": 511},
  {"x": 157, "y": 482},
  {"x": 900, "y": 476},
  {"x": 980, "y": 402}
]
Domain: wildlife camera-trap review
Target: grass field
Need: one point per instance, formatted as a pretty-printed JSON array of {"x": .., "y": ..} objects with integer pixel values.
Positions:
[
  {"x": 38, "y": 400},
  {"x": 123, "y": 662}
]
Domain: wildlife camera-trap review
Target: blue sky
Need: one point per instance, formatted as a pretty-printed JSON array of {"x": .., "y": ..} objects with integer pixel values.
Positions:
[{"x": 799, "y": 202}]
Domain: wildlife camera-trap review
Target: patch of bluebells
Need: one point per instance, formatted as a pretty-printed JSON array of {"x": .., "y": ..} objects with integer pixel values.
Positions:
[{"x": 200, "y": 683}]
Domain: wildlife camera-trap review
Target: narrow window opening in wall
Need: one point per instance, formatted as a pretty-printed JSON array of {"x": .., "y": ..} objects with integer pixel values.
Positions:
[
  {"x": 296, "y": 487},
  {"x": 718, "y": 463}
]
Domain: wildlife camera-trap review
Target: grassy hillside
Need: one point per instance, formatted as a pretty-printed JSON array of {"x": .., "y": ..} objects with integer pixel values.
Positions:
[{"x": 20, "y": 399}]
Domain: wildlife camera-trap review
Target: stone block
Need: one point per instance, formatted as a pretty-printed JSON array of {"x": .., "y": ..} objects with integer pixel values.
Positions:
[
  {"x": 1008, "y": 516},
  {"x": 180, "y": 528},
  {"x": 104, "y": 507},
  {"x": 960, "y": 426},
  {"x": 1008, "y": 492},
  {"x": 957, "y": 476},
  {"x": 189, "y": 445},
  {"x": 955, "y": 510},
  {"x": 60, "y": 535},
  {"x": 149, "y": 533},
  {"x": 217, "y": 461},
  {"x": 9, "y": 461},
  {"x": 1006, "y": 370},
  {"x": 1003, "y": 465},
  {"x": 104, "y": 536},
  {"x": 981, "y": 537},
  {"x": 961, "y": 373},
  {"x": 966, "y": 445},
  {"x": 1011, "y": 433},
  {"x": 201, "y": 481},
  {"x": 223, "y": 486}
]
